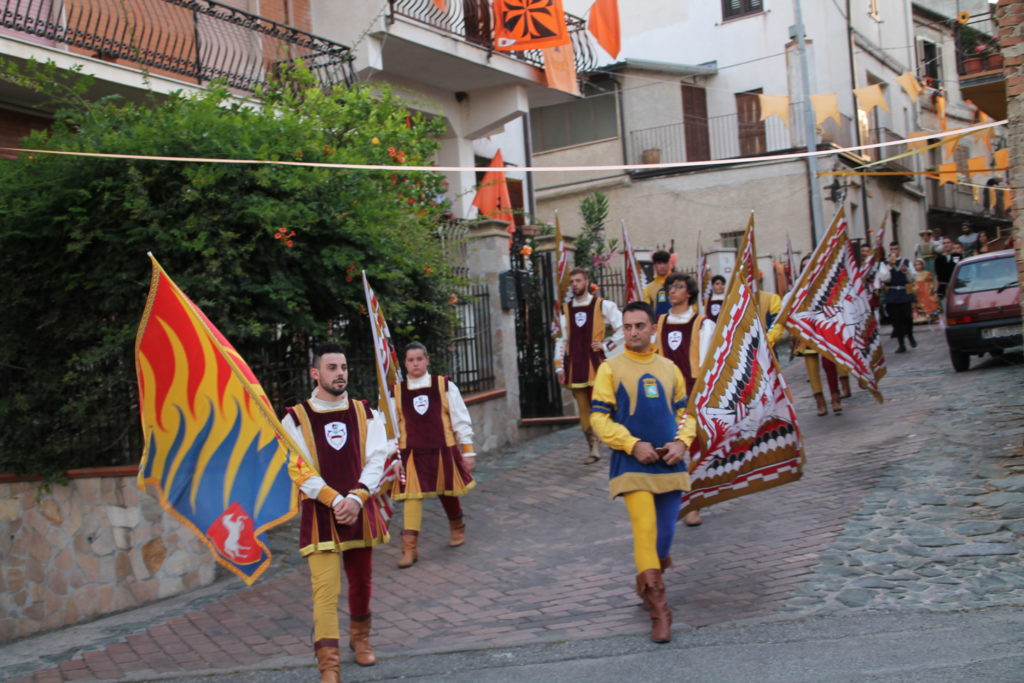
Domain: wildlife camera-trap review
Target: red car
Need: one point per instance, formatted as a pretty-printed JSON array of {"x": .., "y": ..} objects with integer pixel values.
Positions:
[{"x": 983, "y": 307}]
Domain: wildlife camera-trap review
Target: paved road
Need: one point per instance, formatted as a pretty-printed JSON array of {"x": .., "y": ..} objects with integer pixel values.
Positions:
[{"x": 909, "y": 510}]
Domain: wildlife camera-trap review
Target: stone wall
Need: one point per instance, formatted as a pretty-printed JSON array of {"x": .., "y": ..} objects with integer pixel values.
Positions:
[
  {"x": 94, "y": 546},
  {"x": 1010, "y": 15}
]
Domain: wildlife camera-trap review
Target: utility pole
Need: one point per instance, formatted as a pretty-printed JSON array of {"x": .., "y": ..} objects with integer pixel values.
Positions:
[{"x": 798, "y": 32}]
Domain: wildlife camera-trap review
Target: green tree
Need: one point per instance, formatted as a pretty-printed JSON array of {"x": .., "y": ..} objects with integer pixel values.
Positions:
[
  {"x": 272, "y": 254},
  {"x": 592, "y": 250}
]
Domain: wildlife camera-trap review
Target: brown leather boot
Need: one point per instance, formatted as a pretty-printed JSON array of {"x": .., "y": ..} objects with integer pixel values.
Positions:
[
  {"x": 359, "y": 640},
  {"x": 642, "y": 593},
  {"x": 409, "y": 555},
  {"x": 328, "y": 660},
  {"x": 844, "y": 387},
  {"x": 837, "y": 405},
  {"x": 458, "y": 532},
  {"x": 819, "y": 398},
  {"x": 653, "y": 588}
]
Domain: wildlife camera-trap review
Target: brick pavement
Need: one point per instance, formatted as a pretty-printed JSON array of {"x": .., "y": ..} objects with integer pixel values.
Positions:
[{"x": 548, "y": 558}]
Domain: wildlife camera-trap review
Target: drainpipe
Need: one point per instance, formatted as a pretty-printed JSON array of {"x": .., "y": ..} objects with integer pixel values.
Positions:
[{"x": 810, "y": 133}]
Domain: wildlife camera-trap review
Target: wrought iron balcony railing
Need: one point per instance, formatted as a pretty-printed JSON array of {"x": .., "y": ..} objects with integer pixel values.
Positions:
[
  {"x": 199, "y": 39},
  {"x": 471, "y": 21}
]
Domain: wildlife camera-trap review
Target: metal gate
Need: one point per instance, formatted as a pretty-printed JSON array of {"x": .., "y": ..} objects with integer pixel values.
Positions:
[{"x": 539, "y": 392}]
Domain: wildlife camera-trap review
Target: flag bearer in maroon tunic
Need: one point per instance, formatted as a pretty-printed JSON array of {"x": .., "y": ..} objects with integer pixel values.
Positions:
[
  {"x": 436, "y": 445},
  {"x": 344, "y": 447},
  {"x": 582, "y": 346},
  {"x": 683, "y": 337}
]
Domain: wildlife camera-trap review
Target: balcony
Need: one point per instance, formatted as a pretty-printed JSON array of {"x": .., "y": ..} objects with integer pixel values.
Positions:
[
  {"x": 980, "y": 66},
  {"x": 957, "y": 199},
  {"x": 471, "y": 21},
  {"x": 716, "y": 137},
  {"x": 195, "y": 39}
]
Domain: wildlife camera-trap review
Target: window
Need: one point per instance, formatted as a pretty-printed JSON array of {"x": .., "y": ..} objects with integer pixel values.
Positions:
[
  {"x": 594, "y": 117},
  {"x": 982, "y": 276},
  {"x": 929, "y": 63},
  {"x": 749, "y": 124},
  {"x": 737, "y": 8},
  {"x": 695, "y": 123},
  {"x": 731, "y": 240}
]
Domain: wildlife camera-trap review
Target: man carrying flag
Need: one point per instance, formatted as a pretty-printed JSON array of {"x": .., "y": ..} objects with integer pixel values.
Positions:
[
  {"x": 344, "y": 447},
  {"x": 654, "y": 292}
]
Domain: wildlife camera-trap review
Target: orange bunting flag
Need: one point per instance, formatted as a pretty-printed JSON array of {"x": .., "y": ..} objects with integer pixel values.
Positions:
[
  {"x": 604, "y": 25},
  {"x": 529, "y": 25},
  {"x": 940, "y": 111},
  {"x": 916, "y": 139},
  {"x": 440, "y": 4},
  {"x": 871, "y": 96},
  {"x": 826, "y": 106},
  {"x": 910, "y": 84},
  {"x": 492, "y": 196},
  {"x": 560, "y": 69},
  {"x": 774, "y": 105},
  {"x": 1001, "y": 159},
  {"x": 947, "y": 173},
  {"x": 215, "y": 454}
]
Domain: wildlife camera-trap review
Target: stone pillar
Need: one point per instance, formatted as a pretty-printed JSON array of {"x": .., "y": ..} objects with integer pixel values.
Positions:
[
  {"x": 1010, "y": 15},
  {"x": 487, "y": 258}
]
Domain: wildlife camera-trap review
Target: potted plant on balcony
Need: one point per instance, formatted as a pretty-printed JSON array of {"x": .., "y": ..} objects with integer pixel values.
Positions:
[{"x": 975, "y": 48}]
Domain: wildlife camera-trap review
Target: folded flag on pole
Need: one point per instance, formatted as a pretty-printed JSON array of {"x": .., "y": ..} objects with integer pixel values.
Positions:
[
  {"x": 492, "y": 197},
  {"x": 746, "y": 425},
  {"x": 635, "y": 280},
  {"x": 561, "y": 279},
  {"x": 831, "y": 310},
  {"x": 746, "y": 258},
  {"x": 389, "y": 374},
  {"x": 215, "y": 453}
]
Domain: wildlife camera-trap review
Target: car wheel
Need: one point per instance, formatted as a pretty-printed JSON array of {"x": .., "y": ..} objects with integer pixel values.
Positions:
[{"x": 961, "y": 361}]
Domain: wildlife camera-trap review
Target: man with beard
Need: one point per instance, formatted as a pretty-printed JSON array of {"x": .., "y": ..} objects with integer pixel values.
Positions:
[
  {"x": 639, "y": 410},
  {"x": 582, "y": 346},
  {"x": 344, "y": 448}
]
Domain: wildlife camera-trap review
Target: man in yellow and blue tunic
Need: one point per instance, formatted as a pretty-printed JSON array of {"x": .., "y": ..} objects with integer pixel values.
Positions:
[{"x": 639, "y": 410}]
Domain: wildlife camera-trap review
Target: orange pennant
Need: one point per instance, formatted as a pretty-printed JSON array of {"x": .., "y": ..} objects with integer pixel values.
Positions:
[
  {"x": 529, "y": 24},
  {"x": 940, "y": 110},
  {"x": 604, "y": 25},
  {"x": 947, "y": 173},
  {"x": 492, "y": 196},
  {"x": 1001, "y": 159}
]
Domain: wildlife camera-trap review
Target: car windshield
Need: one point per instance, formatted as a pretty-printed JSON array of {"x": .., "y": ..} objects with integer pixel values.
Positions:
[{"x": 996, "y": 273}]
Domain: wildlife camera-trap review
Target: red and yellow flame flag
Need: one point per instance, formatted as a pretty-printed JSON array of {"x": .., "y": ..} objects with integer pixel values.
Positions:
[
  {"x": 746, "y": 424},
  {"x": 830, "y": 309},
  {"x": 215, "y": 453},
  {"x": 635, "y": 280},
  {"x": 529, "y": 24}
]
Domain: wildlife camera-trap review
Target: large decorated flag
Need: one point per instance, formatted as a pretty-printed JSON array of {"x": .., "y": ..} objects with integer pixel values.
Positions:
[
  {"x": 561, "y": 279},
  {"x": 635, "y": 280},
  {"x": 389, "y": 374},
  {"x": 215, "y": 453},
  {"x": 529, "y": 24},
  {"x": 746, "y": 425},
  {"x": 746, "y": 258},
  {"x": 830, "y": 309}
]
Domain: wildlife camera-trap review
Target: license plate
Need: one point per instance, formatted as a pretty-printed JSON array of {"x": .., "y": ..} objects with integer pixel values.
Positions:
[{"x": 1004, "y": 331}]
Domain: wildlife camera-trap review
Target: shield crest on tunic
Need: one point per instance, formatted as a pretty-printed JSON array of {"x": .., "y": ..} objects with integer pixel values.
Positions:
[
  {"x": 580, "y": 318},
  {"x": 337, "y": 434},
  {"x": 715, "y": 308},
  {"x": 421, "y": 403},
  {"x": 675, "y": 338}
]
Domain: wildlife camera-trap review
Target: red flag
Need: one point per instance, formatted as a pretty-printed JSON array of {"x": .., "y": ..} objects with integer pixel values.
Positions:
[
  {"x": 604, "y": 25},
  {"x": 529, "y": 24},
  {"x": 492, "y": 196}
]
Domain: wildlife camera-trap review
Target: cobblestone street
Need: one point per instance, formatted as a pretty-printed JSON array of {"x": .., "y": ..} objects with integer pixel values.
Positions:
[{"x": 913, "y": 505}]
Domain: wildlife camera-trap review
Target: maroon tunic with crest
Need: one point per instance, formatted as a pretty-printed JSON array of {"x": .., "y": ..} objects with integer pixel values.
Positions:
[
  {"x": 431, "y": 457},
  {"x": 339, "y": 440},
  {"x": 681, "y": 354},
  {"x": 581, "y": 360}
]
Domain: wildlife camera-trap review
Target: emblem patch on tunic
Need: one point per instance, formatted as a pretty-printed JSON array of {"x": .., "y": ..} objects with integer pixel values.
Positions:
[
  {"x": 675, "y": 338},
  {"x": 337, "y": 434},
  {"x": 421, "y": 403},
  {"x": 580, "y": 318},
  {"x": 650, "y": 387},
  {"x": 715, "y": 308},
  {"x": 661, "y": 296}
]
